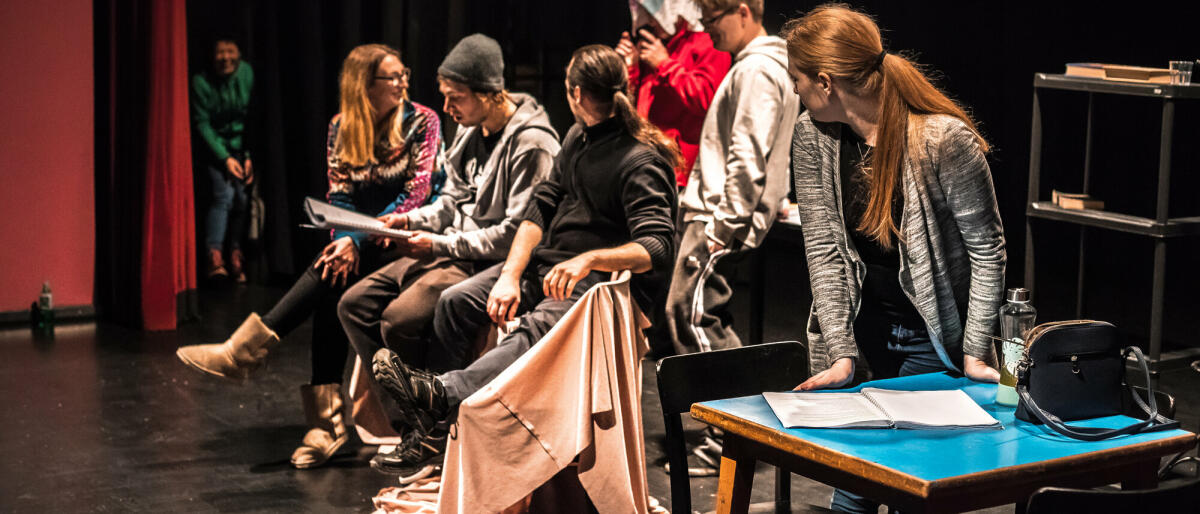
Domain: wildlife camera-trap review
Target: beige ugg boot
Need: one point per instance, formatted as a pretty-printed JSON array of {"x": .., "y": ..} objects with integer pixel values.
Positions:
[
  {"x": 237, "y": 356},
  {"x": 323, "y": 409}
]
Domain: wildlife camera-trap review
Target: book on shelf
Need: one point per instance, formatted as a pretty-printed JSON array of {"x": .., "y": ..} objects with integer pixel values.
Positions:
[
  {"x": 880, "y": 408},
  {"x": 1075, "y": 201},
  {"x": 323, "y": 215},
  {"x": 1119, "y": 72}
]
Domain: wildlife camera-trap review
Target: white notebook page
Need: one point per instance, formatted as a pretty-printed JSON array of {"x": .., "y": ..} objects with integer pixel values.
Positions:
[
  {"x": 825, "y": 410},
  {"x": 919, "y": 409}
]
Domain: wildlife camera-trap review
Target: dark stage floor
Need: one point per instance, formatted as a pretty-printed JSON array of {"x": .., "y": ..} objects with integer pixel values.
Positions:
[{"x": 105, "y": 419}]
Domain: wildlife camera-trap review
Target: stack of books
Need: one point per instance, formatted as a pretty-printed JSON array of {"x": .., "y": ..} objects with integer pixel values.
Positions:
[
  {"x": 1119, "y": 72},
  {"x": 1077, "y": 201}
]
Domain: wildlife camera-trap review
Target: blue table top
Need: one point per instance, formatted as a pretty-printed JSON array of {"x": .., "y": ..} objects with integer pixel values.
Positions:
[{"x": 937, "y": 454}]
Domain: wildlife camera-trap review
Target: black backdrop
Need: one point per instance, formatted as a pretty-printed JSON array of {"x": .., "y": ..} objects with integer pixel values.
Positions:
[{"x": 984, "y": 54}]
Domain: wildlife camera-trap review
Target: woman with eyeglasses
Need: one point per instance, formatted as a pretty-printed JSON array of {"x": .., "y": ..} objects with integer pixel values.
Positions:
[
  {"x": 383, "y": 154},
  {"x": 903, "y": 236}
]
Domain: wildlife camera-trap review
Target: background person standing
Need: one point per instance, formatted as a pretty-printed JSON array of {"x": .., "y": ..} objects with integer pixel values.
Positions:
[
  {"x": 673, "y": 72},
  {"x": 220, "y": 102}
]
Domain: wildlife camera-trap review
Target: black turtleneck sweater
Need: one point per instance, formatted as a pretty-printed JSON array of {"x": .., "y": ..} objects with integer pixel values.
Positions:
[{"x": 607, "y": 189}]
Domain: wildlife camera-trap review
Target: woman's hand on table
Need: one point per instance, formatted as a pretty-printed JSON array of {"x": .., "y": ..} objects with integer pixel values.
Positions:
[
  {"x": 978, "y": 370},
  {"x": 836, "y": 376}
]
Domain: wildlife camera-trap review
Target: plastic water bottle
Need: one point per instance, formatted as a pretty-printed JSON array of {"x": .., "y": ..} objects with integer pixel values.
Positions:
[
  {"x": 43, "y": 311},
  {"x": 1017, "y": 318}
]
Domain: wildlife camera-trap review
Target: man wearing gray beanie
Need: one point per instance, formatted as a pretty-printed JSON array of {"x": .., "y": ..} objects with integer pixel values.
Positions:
[
  {"x": 475, "y": 62},
  {"x": 504, "y": 145}
]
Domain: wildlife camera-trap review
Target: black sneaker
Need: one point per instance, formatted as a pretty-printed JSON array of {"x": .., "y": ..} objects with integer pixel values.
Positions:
[
  {"x": 416, "y": 451},
  {"x": 421, "y": 395}
]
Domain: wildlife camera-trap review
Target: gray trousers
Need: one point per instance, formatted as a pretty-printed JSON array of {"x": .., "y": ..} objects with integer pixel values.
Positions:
[
  {"x": 698, "y": 316},
  {"x": 461, "y": 316}
]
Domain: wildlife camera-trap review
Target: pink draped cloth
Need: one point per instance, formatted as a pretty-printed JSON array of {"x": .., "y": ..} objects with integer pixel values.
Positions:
[{"x": 576, "y": 393}]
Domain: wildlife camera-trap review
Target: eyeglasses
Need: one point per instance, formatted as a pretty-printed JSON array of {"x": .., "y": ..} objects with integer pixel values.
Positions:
[
  {"x": 395, "y": 77},
  {"x": 708, "y": 22}
]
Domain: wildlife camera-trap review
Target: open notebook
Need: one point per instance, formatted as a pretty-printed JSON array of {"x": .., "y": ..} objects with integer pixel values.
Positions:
[
  {"x": 326, "y": 216},
  {"x": 880, "y": 408}
]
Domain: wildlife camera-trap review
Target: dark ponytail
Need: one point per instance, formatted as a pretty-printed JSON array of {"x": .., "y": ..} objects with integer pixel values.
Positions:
[{"x": 599, "y": 72}]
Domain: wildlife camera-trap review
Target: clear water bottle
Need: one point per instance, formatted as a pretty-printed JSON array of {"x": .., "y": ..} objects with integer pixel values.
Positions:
[
  {"x": 1017, "y": 318},
  {"x": 42, "y": 311}
]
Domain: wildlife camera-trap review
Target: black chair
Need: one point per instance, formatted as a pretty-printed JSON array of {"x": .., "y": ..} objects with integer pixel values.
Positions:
[
  {"x": 699, "y": 377},
  {"x": 1164, "y": 401},
  {"x": 1184, "y": 497}
]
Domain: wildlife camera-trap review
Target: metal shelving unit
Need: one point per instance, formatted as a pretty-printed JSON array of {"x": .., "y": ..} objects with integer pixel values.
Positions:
[{"x": 1160, "y": 228}]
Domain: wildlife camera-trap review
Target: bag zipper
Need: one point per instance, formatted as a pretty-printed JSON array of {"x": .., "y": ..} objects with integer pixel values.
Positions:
[
  {"x": 1036, "y": 333},
  {"x": 1074, "y": 359}
]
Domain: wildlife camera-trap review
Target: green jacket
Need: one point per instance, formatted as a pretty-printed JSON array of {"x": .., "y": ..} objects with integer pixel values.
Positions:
[{"x": 219, "y": 108}]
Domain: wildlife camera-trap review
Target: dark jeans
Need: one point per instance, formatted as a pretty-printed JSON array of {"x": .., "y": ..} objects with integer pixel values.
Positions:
[
  {"x": 311, "y": 296},
  {"x": 892, "y": 349},
  {"x": 229, "y": 201},
  {"x": 461, "y": 316}
]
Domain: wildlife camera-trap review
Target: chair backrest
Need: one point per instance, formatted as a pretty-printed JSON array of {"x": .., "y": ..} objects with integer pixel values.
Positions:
[
  {"x": 699, "y": 377},
  {"x": 1184, "y": 497},
  {"x": 1164, "y": 401}
]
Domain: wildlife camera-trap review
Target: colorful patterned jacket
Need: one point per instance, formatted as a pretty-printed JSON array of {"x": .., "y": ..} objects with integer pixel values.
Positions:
[{"x": 405, "y": 176}]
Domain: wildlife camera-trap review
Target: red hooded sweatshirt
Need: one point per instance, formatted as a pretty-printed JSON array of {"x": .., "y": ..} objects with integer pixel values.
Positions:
[{"x": 676, "y": 96}]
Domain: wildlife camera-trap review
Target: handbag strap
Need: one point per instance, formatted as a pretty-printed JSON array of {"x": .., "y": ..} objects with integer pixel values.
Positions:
[{"x": 1153, "y": 423}]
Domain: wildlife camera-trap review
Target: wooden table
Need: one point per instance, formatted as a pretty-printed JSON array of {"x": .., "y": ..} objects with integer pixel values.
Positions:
[{"x": 931, "y": 470}]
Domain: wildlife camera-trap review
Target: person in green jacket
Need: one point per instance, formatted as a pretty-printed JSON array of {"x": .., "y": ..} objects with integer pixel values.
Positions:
[{"x": 220, "y": 100}]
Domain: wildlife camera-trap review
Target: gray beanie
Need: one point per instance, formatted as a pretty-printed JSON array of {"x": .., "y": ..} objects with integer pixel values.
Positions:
[{"x": 477, "y": 62}]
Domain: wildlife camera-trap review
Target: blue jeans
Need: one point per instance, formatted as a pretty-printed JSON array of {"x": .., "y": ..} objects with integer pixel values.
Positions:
[
  {"x": 227, "y": 209},
  {"x": 893, "y": 350}
]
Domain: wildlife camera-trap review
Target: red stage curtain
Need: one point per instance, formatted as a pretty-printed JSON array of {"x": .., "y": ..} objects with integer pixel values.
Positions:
[{"x": 168, "y": 237}]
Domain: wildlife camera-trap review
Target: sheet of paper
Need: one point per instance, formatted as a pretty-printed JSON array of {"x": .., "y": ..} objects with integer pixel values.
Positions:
[
  {"x": 931, "y": 409},
  {"x": 325, "y": 215},
  {"x": 826, "y": 410}
]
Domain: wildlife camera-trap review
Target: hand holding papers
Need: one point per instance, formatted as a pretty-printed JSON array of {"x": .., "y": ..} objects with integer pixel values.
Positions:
[{"x": 879, "y": 408}]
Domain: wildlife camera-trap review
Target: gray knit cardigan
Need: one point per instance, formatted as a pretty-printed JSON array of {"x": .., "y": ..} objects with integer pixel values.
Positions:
[{"x": 952, "y": 247}]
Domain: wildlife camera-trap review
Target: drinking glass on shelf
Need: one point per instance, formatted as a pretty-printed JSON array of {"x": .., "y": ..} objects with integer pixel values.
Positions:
[{"x": 1181, "y": 72}]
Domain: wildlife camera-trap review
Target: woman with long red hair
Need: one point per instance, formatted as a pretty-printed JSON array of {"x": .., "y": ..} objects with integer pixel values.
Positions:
[{"x": 903, "y": 237}]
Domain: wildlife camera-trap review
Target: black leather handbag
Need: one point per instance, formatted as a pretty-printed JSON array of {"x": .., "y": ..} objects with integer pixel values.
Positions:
[{"x": 1075, "y": 370}]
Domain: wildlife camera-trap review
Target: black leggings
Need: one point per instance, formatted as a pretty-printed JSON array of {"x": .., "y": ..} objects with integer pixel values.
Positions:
[{"x": 312, "y": 296}]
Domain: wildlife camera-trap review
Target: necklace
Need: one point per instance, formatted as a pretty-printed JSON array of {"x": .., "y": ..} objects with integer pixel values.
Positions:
[{"x": 865, "y": 155}]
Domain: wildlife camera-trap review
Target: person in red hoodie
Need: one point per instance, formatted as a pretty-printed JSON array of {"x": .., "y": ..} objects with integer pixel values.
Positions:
[{"x": 673, "y": 75}]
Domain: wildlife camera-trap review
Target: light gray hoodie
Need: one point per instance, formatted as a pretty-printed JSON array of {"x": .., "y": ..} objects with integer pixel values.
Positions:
[
  {"x": 741, "y": 174},
  {"x": 474, "y": 216}
]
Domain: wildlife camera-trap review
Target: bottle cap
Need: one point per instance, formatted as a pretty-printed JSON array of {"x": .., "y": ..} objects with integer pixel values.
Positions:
[{"x": 1018, "y": 294}]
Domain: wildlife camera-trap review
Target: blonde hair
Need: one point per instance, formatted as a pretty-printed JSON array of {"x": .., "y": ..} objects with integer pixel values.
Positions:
[
  {"x": 845, "y": 44},
  {"x": 356, "y": 134},
  {"x": 755, "y": 6}
]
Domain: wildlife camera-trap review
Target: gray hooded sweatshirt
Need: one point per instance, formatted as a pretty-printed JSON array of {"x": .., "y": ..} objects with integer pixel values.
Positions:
[
  {"x": 741, "y": 174},
  {"x": 473, "y": 218}
]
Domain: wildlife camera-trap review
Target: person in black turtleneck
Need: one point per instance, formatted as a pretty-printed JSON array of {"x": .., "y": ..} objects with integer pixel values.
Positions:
[{"x": 609, "y": 205}]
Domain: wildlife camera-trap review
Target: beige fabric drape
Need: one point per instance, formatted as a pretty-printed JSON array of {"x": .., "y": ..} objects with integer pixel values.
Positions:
[
  {"x": 366, "y": 412},
  {"x": 576, "y": 393}
]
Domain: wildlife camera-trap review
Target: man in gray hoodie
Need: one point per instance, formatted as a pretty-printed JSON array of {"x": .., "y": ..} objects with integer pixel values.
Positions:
[
  {"x": 740, "y": 177},
  {"x": 505, "y": 145}
]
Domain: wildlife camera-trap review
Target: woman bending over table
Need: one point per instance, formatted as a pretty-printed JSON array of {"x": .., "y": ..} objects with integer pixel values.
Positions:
[{"x": 903, "y": 237}]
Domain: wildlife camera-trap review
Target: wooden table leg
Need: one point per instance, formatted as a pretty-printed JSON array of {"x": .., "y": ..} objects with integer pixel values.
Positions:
[
  {"x": 1142, "y": 475},
  {"x": 737, "y": 477}
]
